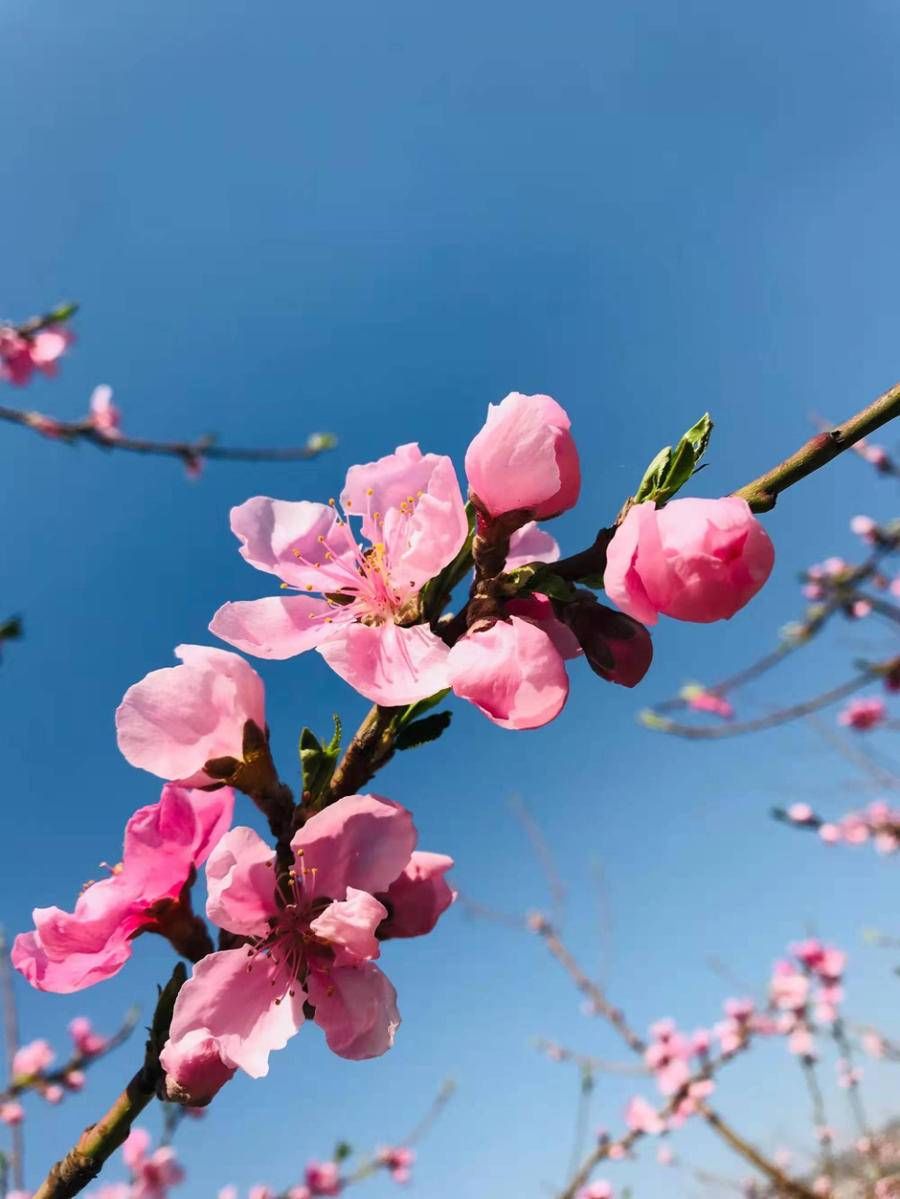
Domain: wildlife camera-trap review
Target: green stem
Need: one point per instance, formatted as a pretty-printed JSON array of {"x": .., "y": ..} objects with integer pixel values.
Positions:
[{"x": 763, "y": 492}]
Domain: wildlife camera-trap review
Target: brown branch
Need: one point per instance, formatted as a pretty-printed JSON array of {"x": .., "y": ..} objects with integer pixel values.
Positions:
[
  {"x": 762, "y": 493},
  {"x": 192, "y": 453}
]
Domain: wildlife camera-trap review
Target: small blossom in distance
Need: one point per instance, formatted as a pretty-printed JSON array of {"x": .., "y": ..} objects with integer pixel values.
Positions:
[
  {"x": 398, "y": 1161},
  {"x": 863, "y": 714},
  {"x": 103, "y": 415}
]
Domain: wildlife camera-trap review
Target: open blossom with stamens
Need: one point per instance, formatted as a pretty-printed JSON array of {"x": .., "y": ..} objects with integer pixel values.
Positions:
[
  {"x": 311, "y": 943},
  {"x": 152, "y": 1173},
  {"x": 356, "y": 604},
  {"x": 164, "y": 844}
]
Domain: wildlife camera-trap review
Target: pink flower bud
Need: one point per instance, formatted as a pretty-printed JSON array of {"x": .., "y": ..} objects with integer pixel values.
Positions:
[
  {"x": 696, "y": 560},
  {"x": 863, "y": 714},
  {"x": 195, "y": 1071},
  {"x": 11, "y": 1113},
  {"x": 512, "y": 672},
  {"x": 800, "y": 813},
  {"x": 524, "y": 457}
]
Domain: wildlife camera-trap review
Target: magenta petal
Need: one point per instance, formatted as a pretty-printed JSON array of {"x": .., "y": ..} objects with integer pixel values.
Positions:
[
  {"x": 362, "y": 841},
  {"x": 165, "y": 840},
  {"x": 194, "y": 1069},
  {"x": 349, "y": 925},
  {"x": 621, "y": 580},
  {"x": 282, "y": 537},
  {"x": 278, "y": 626},
  {"x": 388, "y": 664},
  {"x": 72, "y": 972},
  {"x": 231, "y": 999},
  {"x": 240, "y": 879},
  {"x": 356, "y": 1006},
  {"x": 419, "y": 896}
]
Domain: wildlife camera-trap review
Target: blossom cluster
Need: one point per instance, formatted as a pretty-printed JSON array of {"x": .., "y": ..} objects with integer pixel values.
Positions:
[
  {"x": 31, "y": 1069},
  {"x": 878, "y": 822}
]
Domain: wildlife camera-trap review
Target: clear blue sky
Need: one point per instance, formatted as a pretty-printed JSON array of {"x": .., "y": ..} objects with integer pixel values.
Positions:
[{"x": 375, "y": 219}]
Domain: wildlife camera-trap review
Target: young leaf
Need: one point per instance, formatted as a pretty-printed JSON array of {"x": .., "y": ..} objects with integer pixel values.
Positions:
[
  {"x": 317, "y": 761},
  {"x": 420, "y": 732},
  {"x": 672, "y": 468}
]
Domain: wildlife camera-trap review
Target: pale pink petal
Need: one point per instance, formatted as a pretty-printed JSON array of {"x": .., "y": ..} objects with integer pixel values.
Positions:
[
  {"x": 356, "y": 1006},
  {"x": 135, "y": 1148},
  {"x": 378, "y": 487},
  {"x": 48, "y": 345},
  {"x": 524, "y": 457},
  {"x": 348, "y": 925},
  {"x": 362, "y": 841},
  {"x": 538, "y": 609},
  {"x": 240, "y": 879},
  {"x": 176, "y": 719},
  {"x": 277, "y": 626},
  {"x": 290, "y": 539},
  {"x": 512, "y": 672},
  {"x": 418, "y": 897},
  {"x": 428, "y": 533},
  {"x": 531, "y": 543},
  {"x": 388, "y": 664},
  {"x": 621, "y": 580},
  {"x": 231, "y": 998}
]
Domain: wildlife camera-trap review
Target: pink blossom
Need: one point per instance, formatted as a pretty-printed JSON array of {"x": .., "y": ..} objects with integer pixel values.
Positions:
[
  {"x": 597, "y": 1190},
  {"x": 665, "y": 1156},
  {"x": 512, "y": 672},
  {"x": 863, "y": 714},
  {"x": 32, "y": 1059},
  {"x": 164, "y": 843},
  {"x": 873, "y": 1044},
  {"x": 700, "y": 1042},
  {"x": 789, "y": 989},
  {"x": 75, "y": 1080},
  {"x": 103, "y": 415},
  {"x": 87, "y": 1042},
  {"x": 53, "y": 1094},
  {"x": 152, "y": 1173},
  {"x": 529, "y": 544},
  {"x": 695, "y": 560},
  {"x": 176, "y": 719},
  {"x": 21, "y": 355},
  {"x": 323, "y": 1178},
  {"x": 641, "y": 1116},
  {"x": 11, "y": 1112},
  {"x": 801, "y": 1043},
  {"x": 616, "y": 647},
  {"x": 701, "y": 700},
  {"x": 524, "y": 458},
  {"x": 800, "y": 813},
  {"x": 397, "y": 1160},
  {"x": 830, "y": 832},
  {"x": 417, "y": 897},
  {"x": 822, "y": 1185},
  {"x": 365, "y": 622},
  {"x": 315, "y": 951}
]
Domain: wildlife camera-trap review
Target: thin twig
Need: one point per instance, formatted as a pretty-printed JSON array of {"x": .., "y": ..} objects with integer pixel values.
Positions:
[{"x": 11, "y": 1044}]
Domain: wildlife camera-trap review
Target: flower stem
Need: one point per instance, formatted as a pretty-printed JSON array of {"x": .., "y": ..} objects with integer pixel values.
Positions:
[
  {"x": 100, "y": 1140},
  {"x": 763, "y": 492},
  {"x": 371, "y": 747}
]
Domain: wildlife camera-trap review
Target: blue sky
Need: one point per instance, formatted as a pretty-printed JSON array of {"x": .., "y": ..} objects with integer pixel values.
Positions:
[{"x": 375, "y": 219}]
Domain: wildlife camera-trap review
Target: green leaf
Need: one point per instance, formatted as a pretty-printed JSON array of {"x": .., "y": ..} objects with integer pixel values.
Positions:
[
  {"x": 537, "y": 576},
  {"x": 672, "y": 468},
  {"x": 317, "y": 761},
  {"x": 420, "y": 707},
  {"x": 420, "y": 732},
  {"x": 342, "y": 1151},
  {"x": 61, "y": 313}
]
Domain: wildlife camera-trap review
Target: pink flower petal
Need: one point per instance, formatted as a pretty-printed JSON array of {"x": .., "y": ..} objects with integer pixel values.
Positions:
[
  {"x": 176, "y": 719},
  {"x": 277, "y": 626},
  {"x": 419, "y": 896},
  {"x": 512, "y": 672},
  {"x": 531, "y": 543},
  {"x": 231, "y": 999},
  {"x": 356, "y": 1006},
  {"x": 388, "y": 664},
  {"x": 349, "y": 925},
  {"x": 290, "y": 539},
  {"x": 240, "y": 879}
]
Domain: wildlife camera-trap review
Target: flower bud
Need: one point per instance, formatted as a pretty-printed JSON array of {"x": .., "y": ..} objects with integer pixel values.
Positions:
[
  {"x": 696, "y": 560},
  {"x": 616, "y": 647},
  {"x": 524, "y": 458}
]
